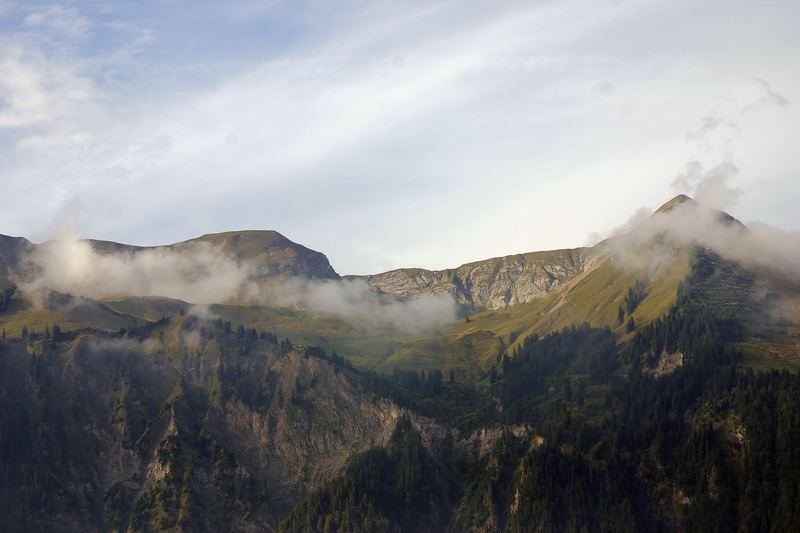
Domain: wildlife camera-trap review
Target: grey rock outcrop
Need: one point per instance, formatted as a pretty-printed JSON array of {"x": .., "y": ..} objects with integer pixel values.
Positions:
[{"x": 491, "y": 284}]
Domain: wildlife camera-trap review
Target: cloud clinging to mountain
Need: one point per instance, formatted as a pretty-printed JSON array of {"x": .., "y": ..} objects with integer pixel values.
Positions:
[
  {"x": 201, "y": 274},
  {"x": 758, "y": 247}
]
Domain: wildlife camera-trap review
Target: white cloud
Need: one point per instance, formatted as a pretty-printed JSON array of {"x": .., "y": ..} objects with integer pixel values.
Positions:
[
  {"x": 757, "y": 246},
  {"x": 769, "y": 98},
  {"x": 386, "y": 135},
  {"x": 59, "y": 18},
  {"x": 201, "y": 274},
  {"x": 710, "y": 186},
  {"x": 44, "y": 100},
  {"x": 196, "y": 273}
]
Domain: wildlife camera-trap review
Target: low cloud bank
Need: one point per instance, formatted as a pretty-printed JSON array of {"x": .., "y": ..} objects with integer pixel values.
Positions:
[
  {"x": 355, "y": 301},
  {"x": 201, "y": 274},
  {"x": 758, "y": 246},
  {"x": 195, "y": 274},
  {"x": 712, "y": 176}
]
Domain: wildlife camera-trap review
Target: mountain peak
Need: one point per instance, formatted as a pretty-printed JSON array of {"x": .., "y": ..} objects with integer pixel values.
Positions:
[
  {"x": 675, "y": 202},
  {"x": 683, "y": 200},
  {"x": 246, "y": 242},
  {"x": 271, "y": 251}
]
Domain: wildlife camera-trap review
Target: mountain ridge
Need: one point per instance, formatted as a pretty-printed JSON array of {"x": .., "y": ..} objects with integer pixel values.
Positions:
[
  {"x": 272, "y": 252},
  {"x": 492, "y": 283},
  {"x": 518, "y": 278},
  {"x": 505, "y": 281},
  {"x": 504, "y": 298}
]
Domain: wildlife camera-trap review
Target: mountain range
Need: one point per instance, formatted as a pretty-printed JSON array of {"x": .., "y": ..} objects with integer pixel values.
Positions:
[
  {"x": 505, "y": 298},
  {"x": 237, "y": 382}
]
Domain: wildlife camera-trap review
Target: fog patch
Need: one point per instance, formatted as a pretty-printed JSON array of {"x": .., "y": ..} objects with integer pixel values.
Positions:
[
  {"x": 202, "y": 311},
  {"x": 102, "y": 346},
  {"x": 769, "y": 98},
  {"x": 692, "y": 224},
  {"x": 635, "y": 220},
  {"x": 356, "y": 302},
  {"x": 192, "y": 340},
  {"x": 709, "y": 185},
  {"x": 200, "y": 274},
  {"x": 709, "y": 177},
  {"x": 197, "y": 273}
]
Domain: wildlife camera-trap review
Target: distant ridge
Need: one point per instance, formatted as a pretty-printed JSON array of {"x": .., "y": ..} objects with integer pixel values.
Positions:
[{"x": 267, "y": 251}]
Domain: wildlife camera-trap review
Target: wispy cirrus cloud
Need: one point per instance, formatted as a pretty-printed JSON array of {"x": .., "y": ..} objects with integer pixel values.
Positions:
[
  {"x": 58, "y": 18},
  {"x": 378, "y": 131},
  {"x": 716, "y": 140}
]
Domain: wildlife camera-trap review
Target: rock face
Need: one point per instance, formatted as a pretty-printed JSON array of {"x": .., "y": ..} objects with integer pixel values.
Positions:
[
  {"x": 315, "y": 420},
  {"x": 491, "y": 284},
  {"x": 481, "y": 442},
  {"x": 667, "y": 364},
  {"x": 506, "y": 281},
  {"x": 12, "y": 250},
  {"x": 189, "y": 427}
]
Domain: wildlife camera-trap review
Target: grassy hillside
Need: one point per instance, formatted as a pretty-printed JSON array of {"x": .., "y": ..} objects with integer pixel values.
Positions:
[
  {"x": 471, "y": 346},
  {"x": 69, "y": 313},
  {"x": 594, "y": 297},
  {"x": 382, "y": 350}
]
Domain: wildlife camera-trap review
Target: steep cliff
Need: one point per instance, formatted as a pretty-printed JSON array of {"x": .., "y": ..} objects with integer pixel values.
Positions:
[
  {"x": 183, "y": 424},
  {"x": 490, "y": 284}
]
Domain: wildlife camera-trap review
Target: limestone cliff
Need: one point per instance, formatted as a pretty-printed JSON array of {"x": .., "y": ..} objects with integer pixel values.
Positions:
[
  {"x": 490, "y": 284},
  {"x": 185, "y": 424}
]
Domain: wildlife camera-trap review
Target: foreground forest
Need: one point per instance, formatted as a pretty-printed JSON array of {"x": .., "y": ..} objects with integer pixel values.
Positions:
[
  {"x": 191, "y": 423},
  {"x": 593, "y": 441},
  {"x": 399, "y": 266}
]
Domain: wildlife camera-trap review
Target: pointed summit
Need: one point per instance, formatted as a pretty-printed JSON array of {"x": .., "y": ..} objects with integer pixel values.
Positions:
[
  {"x": 683, "y": 200},
  {"x": 675, "y": 202}
]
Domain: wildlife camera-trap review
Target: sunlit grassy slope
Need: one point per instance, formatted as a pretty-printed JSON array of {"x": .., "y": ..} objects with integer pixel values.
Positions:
[
  {"x": 594, "y": 297},
  {"x": 468, "y": 347},
  {"x": 381, "y": 350},
  {"x": 146, "y": 308},
  {"x": 77, "y": 314}
]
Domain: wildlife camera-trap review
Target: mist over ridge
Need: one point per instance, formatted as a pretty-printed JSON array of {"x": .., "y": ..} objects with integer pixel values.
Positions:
[
  {"x": 685, "y": 222},
  {"x": 265, "y": 268},
  {"x": 210, "y": 270}
]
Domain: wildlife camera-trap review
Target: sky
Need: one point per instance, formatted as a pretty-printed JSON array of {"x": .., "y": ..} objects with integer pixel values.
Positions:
[{"x": 394, "y": 134}]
